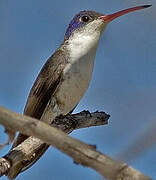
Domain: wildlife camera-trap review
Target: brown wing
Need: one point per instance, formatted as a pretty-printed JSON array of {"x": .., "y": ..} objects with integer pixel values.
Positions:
[{"x": 44, "y": 86}]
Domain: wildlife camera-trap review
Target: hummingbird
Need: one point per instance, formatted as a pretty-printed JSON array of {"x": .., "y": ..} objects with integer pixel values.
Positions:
[{"x": 66, "y": 75}]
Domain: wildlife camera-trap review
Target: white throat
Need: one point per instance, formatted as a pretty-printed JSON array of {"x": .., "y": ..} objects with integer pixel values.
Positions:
[
  {"x": 82, "y": 52},
  {"x": 84, "y": 41},
  {"x": 81, "y": 45}
]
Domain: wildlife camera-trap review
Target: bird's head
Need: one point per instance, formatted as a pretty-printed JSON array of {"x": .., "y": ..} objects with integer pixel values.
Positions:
[{"x": 90, "y": 22}]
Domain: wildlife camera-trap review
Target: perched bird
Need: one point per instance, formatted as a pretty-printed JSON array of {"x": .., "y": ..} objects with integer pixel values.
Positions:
[{"x": 66, "y": 75}]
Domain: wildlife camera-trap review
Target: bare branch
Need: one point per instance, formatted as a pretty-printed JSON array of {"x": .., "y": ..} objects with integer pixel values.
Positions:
[
  {"x": 21, "y": 155},
  {"x": 80, "y": 120},
  {"x": 81, "y": 153}
]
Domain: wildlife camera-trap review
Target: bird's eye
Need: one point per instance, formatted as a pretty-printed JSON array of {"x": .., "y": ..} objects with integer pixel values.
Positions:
[{"x": 84, "y": 18}]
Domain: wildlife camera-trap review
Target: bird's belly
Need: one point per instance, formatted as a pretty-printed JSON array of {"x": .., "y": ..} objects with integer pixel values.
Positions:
[{"x": 75, "y": 83}]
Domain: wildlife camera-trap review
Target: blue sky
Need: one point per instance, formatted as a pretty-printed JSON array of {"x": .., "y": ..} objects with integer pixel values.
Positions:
[{"x": 123, "y": 82}]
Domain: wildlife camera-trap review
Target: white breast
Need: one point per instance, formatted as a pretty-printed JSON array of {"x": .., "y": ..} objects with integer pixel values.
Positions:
[{"x": 77, "y": 73}]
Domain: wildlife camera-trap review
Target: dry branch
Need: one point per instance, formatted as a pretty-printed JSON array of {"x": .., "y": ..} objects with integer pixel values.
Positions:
[
  {"x": 19, "y": 156},
  {"x": 81, "y": 153}
]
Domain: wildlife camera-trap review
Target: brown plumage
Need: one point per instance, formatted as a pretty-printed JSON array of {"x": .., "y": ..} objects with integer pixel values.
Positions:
[{"x": 41, "y": 92}]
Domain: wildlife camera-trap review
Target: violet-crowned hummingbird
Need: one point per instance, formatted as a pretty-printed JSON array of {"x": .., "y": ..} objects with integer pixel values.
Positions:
[{"x": 66, "y": 75}]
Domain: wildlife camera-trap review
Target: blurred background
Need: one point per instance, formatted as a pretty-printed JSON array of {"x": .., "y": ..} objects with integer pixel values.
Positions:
[{"x": 123, "y": 83}]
